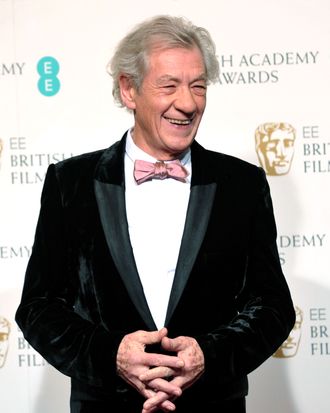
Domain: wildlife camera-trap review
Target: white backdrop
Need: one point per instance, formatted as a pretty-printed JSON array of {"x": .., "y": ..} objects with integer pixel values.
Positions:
[{"x": 55, "y": 101}]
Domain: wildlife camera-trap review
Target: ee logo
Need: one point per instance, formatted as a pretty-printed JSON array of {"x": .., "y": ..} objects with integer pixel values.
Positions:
[{"x": 48, "y": 68}]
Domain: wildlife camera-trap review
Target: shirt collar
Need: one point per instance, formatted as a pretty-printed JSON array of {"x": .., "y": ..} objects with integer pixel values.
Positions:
[{"x": 134, "y": 152}]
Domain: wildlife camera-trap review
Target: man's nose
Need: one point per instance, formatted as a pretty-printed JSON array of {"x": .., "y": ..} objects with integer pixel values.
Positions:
[{"x": 185, "y": 101}]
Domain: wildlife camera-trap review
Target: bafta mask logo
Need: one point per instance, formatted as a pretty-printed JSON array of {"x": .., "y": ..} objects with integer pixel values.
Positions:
[
  {"x": 4, "y": 340},
  {"x": 291, "y": 345},
  {"x": 275, "y": 147}
]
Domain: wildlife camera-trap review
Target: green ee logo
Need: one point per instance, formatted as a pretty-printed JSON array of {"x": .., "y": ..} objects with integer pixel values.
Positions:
[{"x": 48, "y": 68}]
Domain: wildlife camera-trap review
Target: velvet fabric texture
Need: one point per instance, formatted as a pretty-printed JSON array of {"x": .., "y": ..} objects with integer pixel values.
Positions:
[{"x": 82, "y": 292}]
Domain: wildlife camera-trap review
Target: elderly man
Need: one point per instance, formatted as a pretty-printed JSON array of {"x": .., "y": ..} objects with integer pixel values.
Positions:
[{"x": 155, "y": 282}]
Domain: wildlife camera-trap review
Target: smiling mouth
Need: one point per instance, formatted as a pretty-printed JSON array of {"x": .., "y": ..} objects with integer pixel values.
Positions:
[{"x": 178, "y": 121}]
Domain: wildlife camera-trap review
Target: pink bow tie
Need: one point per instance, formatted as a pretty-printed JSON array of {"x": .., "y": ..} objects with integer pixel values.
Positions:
[{"x": 143, "y": 170}]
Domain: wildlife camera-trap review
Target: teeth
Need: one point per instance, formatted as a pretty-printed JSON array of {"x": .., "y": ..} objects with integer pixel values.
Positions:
[{"x": 179, "y": 121}]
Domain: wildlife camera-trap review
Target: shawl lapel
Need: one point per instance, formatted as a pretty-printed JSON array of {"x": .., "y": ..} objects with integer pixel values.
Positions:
[
  {"x": 110, "y": 196},
  {"x": 203, "y": 188}
]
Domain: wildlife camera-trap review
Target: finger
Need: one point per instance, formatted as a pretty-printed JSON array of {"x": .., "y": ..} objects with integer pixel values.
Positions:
[
  {"x": 152, "y": 337},
  {"x": 160, "y": 399},
  {"x": 163, "y": 332},
  {"x": 165, "y": 386},
  {"x": 148, "y": 393},
  {"x": 165, "y": 406},
  {"x": 171, "y": 344},
  {"x": 166, "y": 409},
  {"x": 157, "y": 372},
  {"x": 162, "y": 360}
]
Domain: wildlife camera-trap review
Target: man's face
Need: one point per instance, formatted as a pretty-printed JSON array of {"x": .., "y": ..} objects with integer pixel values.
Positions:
[
  {"x": 277, "y": 151},
  {"x": 170, "y": 102}
]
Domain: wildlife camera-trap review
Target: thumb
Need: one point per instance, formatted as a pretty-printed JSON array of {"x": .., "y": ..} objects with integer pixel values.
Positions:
[
  {"x": 171, "y": 344},
  {"x": 156, "y": 336},
  {"x": 163, "y": 332}
]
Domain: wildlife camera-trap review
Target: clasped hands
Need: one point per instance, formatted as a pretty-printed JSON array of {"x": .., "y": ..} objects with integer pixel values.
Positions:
[{"x": 159, "y": 378}]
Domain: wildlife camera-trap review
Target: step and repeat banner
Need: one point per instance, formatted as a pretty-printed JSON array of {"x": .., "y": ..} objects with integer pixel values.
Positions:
[{"x": 271, "y": 108}]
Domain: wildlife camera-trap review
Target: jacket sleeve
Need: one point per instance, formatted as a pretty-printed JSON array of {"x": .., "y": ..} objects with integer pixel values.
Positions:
[
  {"x": 265, "y": 314},
  {"x": 73, "y": 344}
]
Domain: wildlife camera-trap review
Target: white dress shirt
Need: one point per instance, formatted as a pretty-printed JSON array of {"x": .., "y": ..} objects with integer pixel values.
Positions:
[{"x": 156, "y": 214}]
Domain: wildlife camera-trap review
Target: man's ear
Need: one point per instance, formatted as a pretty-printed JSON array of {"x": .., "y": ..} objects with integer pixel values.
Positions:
[{"x": 127, "y": 91}]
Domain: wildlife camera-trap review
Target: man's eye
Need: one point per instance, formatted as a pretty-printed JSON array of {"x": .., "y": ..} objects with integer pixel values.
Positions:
[{"x": 200, "y": 89}]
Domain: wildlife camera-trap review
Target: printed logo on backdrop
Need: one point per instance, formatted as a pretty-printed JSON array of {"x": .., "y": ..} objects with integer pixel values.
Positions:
[
  {"x": 262, "y": 68},
  {"x": 4, "y": 340},
  {"x": 275, "y": 147},
  {"x": 316, "y": 151},
  {"x": 312, "y": 242},
  {"x": 316, "y": 335},
  {"x": 12, "y": 69},
  {"x": 276, "y": 143},
  {"x": 26, "y": 355},
  {"x": 48, "y": 69},
  {"x": 25, "y": 167},
  {"x": 290, "y": 346},
  {"x": 319, "y": 332}
]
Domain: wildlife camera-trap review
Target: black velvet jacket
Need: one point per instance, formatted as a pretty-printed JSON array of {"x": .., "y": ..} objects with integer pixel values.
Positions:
[{"x": 82, "y": 292}]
